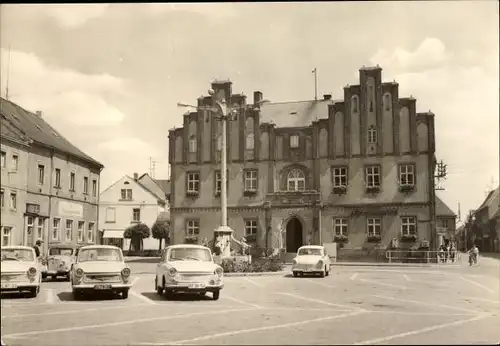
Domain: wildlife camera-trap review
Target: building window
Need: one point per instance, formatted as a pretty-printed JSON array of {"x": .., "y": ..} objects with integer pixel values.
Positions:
[
  {"x": 56, "y": 224},
  {"x": 39, "y": 229},
  {"x": 6, "y": 235},
  {"x": 94, "y": 188},
  {"x": 136, "y": 215},
  {"x": 373, "y": 227},
  {"x": 41, "y": 174},
  {"x": 193, "y": 182},
  {"x": 250, "y": 228},
  {"x": 85, "y": 185},
  {"x": 219, "y": 143},
  {"x": 250, "y": 141},
  {"x": 192, "y": 144},
  {"x": 15, "y": 163},
  {"x": 354, "y": 104},
  {"x": 373, "y": 176},
  {"x": 69, "y": 230},
  {"x": 81, "y": 228},
  {"x": 251, "y": 180},
  {"x": 2, "y": 198},
  {"x": 30, "y": 225},
  {"x": 372, "y": 135},
  {"x": 90, "y": 233},
  {"x": 296, "y": 180},
  {"x": 2, "y": 158},
  {"x": 443, "y": 223},
  {"x": 13, "y": 200},
  {"x": 408, "y": 225},
  {"x": 387, "y": 102},
  {"x": 294, "y": 141},
  {"x": 57, "y": 183},
  {"x": 407, "y": 175},
  {"x": 340, "y": 226},
  {"x": 72, "y": 181},
  {"x": 126, "y": 194},
  {"x": 192, "y": 228},
  {"x": 339, "y": 176},
  {"x": 110, "y": 214}
]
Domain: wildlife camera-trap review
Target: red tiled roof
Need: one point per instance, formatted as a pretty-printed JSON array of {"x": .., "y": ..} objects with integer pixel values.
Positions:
[{"x": 38, "y": 130}]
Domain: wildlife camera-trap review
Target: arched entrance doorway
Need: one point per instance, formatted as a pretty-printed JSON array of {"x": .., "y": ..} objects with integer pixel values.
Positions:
[{"x": 293, "y": 235}]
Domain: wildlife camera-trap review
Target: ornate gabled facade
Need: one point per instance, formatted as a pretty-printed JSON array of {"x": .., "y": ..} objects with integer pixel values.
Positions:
[{"x": 358, "y": 171}]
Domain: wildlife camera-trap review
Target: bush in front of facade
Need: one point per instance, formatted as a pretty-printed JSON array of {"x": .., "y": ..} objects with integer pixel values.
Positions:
[
  {"x": 259, "y": 265},
  {"x": 136, "y": 233}
]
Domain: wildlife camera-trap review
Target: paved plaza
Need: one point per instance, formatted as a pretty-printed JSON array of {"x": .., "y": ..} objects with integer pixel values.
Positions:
[{"x": 354, "y": 305}]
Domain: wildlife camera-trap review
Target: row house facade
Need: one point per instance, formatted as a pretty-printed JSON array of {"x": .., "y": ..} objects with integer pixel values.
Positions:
[
  {"x": 61, "y": 184},
  {"x": 359, "y": 171},
  {"x": 130, "y": 201}
]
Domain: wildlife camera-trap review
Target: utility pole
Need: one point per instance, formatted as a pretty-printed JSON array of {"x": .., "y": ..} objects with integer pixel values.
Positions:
[
  {"x": 8, "y": 77},
  {"x": 439, "y": 175}
]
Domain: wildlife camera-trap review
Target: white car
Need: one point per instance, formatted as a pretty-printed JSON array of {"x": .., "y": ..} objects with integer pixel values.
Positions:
[
  {"x": 311, "y": 259},
  {"x": 20, "y": 270},
  {"x": 99, "y": 268},
  {"x": 188, "y": 269}
]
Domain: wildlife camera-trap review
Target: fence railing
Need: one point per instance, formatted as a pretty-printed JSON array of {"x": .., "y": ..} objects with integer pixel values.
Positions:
[{"x": 421, "y": 256}]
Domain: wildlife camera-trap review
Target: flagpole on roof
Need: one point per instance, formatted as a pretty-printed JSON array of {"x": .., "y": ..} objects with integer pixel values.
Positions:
[{"x": 315, "y": 84}]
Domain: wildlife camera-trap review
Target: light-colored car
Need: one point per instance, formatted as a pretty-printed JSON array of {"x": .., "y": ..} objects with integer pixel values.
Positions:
[
  {"x": 20, "y": 270},
  {"x": 99, "y": 268},
  {"x": 188, "y": 269},
  {"x": 311, "y": 259},
  {"x": 59, "y": 261}
]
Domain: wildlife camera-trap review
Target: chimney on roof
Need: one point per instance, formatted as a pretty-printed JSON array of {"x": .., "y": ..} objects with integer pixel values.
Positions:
[
  {"x": 257, "y": 97},
  {"x": 136, "y": 176},
  {"x": 39, "y": 113},
  {"x": 327, "y": 97}
]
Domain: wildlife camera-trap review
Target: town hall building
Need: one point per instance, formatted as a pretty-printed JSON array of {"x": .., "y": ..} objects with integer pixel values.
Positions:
[{"x": 359, "y": 171}]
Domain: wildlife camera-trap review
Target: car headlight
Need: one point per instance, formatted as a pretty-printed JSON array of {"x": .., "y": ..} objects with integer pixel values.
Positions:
[
  {"x": 79, "y": 272},
  {"x": 126, "y": 272},
  {"x": 219, "y": 271},
  {"x": 320, "y": 264},
  {"x": 32, "y": 271},
  {"x": 172, "y": 271},
  {"x": 294, "y": 261}
]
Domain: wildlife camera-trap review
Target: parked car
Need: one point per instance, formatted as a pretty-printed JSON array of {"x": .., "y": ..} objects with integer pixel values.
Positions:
[
  {"x": 188, "y": 269},
  {"x": 99, "y": 268},
  {"x": 20, "y": 270},
  {"x": 59, "y": 261},
  {"x": 311, "y": 259}
]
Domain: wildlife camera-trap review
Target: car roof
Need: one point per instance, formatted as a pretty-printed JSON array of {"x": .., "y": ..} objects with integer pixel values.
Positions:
[
  {"x": 62, "y": 246},
  {"x": 85, "y": 247},
  {"x": 311, "y": 247},
  {"x": 18, "y": 247},
  {"x": 184, "y": 246}
]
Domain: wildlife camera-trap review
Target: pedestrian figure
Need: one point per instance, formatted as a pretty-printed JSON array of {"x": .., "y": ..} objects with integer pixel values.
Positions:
[
  {"x": 441, "y": 254},
  {"x": 37, "y": 248},
  {"x": 473, "y": 255},
  {"x": 453, "y": 252}
]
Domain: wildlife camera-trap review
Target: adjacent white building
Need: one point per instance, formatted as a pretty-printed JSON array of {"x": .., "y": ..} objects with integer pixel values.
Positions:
[{"x": 131, "y": 200}]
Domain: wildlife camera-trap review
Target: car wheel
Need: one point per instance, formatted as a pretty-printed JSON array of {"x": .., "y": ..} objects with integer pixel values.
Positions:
[
  {"x": 125, "y": 294},
  {"x": 327, "y": 272},
  {"x": 322, "y": 274},
  {"x": 295, "y": 274},
  {"x": 159, "y": 289},
  {"x": 215, "y": 295},
  {"x": 77, "y": 294},
  {"x": 169, "y": 294}
]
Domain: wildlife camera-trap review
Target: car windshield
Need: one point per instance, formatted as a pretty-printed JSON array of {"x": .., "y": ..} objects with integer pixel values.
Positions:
[
  {"x": 190, "y": 254},
  {"x": 60, "y": 251},
  {"x": 314, "y": 252},
  {"x": 22, "y": 255},
  {"x": 99, "y": 254}
]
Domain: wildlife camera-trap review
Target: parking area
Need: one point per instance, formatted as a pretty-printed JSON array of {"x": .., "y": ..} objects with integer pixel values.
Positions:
[{"x": 354, "y": 305}]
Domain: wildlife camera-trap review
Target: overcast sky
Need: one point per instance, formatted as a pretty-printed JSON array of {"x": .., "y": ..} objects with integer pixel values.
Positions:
[{"x": 109, "y": 76}]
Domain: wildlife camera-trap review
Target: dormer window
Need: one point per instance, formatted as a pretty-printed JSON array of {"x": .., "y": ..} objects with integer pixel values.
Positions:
[
  {"x": 294, "y": 141},
  {"x": 372, "y": 135}
]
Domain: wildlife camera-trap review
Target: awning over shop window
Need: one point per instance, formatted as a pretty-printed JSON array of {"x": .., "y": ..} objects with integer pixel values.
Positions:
[{"x": 113, "y": 234}]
